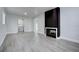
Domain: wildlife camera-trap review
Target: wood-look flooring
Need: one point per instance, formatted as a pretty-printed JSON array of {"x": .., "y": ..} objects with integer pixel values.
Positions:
[{"x": 31, "y": 42}]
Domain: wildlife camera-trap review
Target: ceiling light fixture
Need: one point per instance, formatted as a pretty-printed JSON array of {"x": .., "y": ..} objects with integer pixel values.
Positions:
[{"x": 25, "y": 13}]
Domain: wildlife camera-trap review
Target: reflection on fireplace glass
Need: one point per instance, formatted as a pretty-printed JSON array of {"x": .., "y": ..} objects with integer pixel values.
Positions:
[{"x": 52, "y": 31}]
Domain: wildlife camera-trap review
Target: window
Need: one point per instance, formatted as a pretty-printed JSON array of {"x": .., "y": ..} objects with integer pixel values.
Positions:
[{"x": 3, "y": 17}]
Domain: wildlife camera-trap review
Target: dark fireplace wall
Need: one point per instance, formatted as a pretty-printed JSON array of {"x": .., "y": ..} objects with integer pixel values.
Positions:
[{"x": 52, "y": 19}]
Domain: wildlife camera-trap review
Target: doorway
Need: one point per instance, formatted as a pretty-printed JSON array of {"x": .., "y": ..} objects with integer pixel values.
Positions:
[{"x": 20, "y": 25}]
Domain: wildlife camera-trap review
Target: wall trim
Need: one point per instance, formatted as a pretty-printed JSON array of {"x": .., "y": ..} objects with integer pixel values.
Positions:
[
  {"x": 11, "y": 32},
  {"x": 2, "y": 39},
  {"x": 69, "y": 39}
]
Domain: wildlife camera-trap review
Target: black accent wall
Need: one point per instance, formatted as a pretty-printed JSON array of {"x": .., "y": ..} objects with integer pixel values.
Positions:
[{"x": 52, "y": 19}]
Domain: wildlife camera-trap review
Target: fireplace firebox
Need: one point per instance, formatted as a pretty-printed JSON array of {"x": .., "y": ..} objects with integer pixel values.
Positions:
[{"x": 52, "y": 32}]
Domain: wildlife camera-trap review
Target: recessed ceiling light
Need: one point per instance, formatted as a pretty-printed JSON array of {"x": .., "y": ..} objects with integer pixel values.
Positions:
[{"x": 25, "y": 13}]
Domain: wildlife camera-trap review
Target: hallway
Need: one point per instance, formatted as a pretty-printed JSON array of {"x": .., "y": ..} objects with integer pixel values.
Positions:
[{"x": 31, "y": 42}]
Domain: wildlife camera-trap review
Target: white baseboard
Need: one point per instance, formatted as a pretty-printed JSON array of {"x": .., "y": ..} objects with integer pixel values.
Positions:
[
  {"x": 2, "y": 39},
  {"x": 11, "y": 32},
  {"x": 69, "y": 39}
]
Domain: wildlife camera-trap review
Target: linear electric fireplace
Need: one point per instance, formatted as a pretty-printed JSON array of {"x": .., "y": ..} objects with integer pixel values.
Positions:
[
  {"x": 51, "y": 32},
  {"x": 52, "y": 22}
]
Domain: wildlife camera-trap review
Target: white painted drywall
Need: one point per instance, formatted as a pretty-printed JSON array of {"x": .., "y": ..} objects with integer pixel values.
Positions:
[
  {"x": 12, "y": 25},
  {"x": 39, "y": 24},
  {"x": 28, "y": 25},
  {"x": 69, "y": 22},
  {"x": 3, "y": 30}
]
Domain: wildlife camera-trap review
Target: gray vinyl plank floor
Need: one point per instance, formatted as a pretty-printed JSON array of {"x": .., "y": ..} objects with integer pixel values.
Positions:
[{"x": 31, "y": 42}]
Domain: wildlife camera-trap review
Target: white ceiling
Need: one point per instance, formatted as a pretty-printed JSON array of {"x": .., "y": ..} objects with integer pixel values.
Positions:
[{"x": 31, "y": 11}]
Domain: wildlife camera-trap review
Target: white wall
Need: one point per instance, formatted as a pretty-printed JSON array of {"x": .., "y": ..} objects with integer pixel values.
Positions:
[
  {"x": 69, "y": 18},
  {"x": 12, "y": 25},
  {"x": 3, "y": 30},
  {"x": 39, "y": 24},
  {"x": 28, "y": 25}
]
